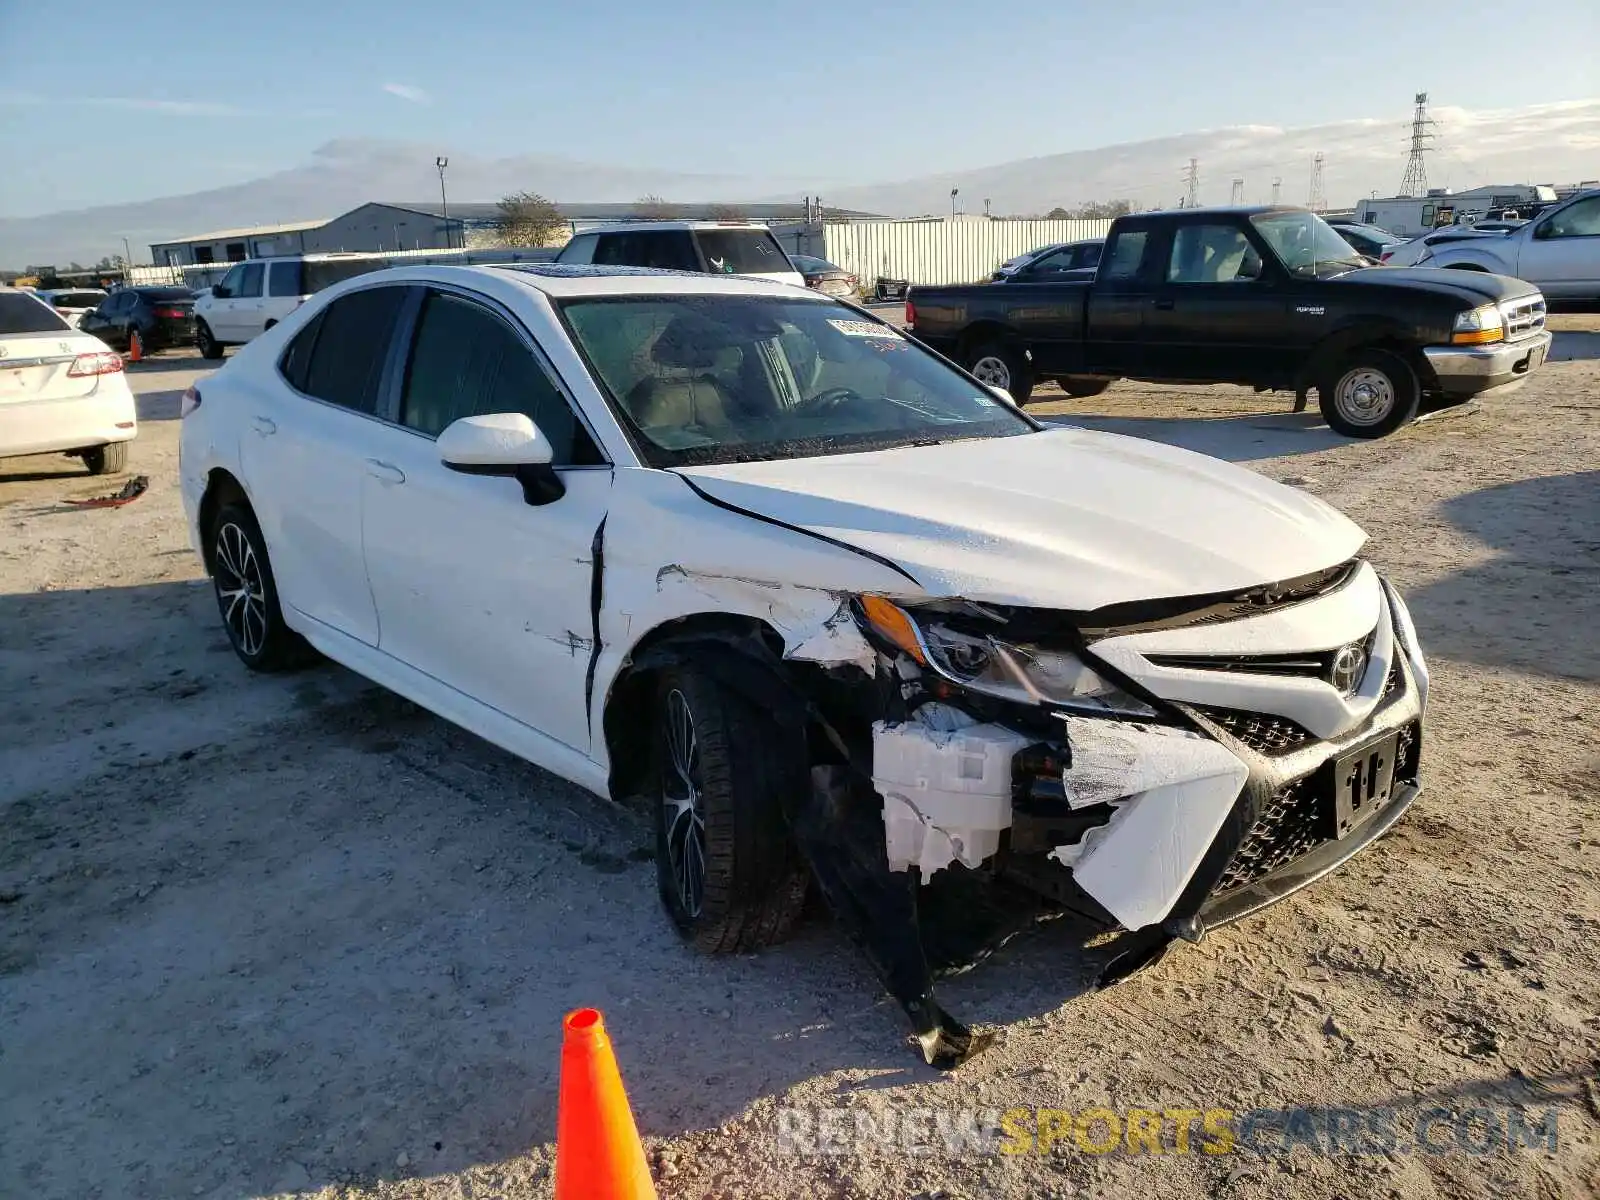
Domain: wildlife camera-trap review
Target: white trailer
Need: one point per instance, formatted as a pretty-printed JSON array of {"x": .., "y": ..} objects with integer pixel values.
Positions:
[{"x": 1413, "y": 216}]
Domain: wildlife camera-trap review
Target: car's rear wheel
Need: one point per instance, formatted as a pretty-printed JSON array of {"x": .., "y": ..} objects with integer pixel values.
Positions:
[
  {"x": 1003, "y": 366},
  {"x": 208, "y": 345},
  {"x": 247, "y": 594},
  {"x": 1368, "y": 394},
  {"x": 106, "y": 460},
  {"x": 727, "y": 870}
]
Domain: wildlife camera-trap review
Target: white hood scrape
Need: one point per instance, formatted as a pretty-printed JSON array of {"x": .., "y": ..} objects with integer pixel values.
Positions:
[{"x": 1065, "y": 519}]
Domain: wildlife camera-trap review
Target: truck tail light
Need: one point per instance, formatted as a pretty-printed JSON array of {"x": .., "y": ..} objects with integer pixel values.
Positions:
[
  {"x": 97, "y": 362},
  {"x": 190, "y": 402},
  {"x": 911, "y": 312}
]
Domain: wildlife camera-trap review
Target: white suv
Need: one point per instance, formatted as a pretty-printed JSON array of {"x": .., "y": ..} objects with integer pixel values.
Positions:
[
  {"x": 258, "y": 293},
  {"x": 711, "y": 247},
  {"x": 825, "y": 604}
]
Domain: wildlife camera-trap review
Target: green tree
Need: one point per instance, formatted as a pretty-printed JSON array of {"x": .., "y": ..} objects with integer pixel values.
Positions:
[{"x": 527, "y": 219}]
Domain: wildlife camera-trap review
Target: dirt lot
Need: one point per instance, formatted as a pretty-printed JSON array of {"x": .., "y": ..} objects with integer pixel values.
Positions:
[{"x": 274, "y": 935}]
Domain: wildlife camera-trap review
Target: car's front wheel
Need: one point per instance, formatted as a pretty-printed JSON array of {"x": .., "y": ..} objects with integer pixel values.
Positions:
[
  {"x": 1003, "y": 366},
  {"x": 728, "y": 872},
  {"x": 207, "y": 344},
  {"x": 1369, "y": 394},
  {"x": 247, "y": 594}
]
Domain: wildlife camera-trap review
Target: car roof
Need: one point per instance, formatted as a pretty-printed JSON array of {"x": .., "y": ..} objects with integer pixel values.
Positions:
[
  {"x": 656, "y": 226},
  {"x": 564, "y": 280}
]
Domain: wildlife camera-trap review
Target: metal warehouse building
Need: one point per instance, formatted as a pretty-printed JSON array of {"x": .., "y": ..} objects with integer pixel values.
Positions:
[{"x": 385, "y": 226}]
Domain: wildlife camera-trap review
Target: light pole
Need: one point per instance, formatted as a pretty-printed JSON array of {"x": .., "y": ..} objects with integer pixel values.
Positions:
[
  {"x": 442, "y": 162},
  {"x": 127, "y": 262},
  {"x": 954, "y": 192}
]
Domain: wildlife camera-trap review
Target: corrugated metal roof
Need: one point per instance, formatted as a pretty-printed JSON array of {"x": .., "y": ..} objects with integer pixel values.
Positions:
[
  {"x": 250, "y": 231},
  {"x": 611, "y": 211}
]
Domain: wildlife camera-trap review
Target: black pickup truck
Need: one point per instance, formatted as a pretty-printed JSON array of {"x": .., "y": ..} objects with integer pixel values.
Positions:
[{"x": 1268, "y": 297}]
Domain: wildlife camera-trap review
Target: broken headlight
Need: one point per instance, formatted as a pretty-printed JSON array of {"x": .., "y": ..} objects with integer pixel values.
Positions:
[{"x": 983, "y": 663}]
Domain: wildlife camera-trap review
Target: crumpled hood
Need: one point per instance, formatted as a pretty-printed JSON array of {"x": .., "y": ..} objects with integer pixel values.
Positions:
[{"x": 1064, "y": 519}]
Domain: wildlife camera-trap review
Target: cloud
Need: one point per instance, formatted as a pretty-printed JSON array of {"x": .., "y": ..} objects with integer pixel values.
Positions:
[
  {"x": 171, "y": 108},
  {"x": 407, "y": 91}
]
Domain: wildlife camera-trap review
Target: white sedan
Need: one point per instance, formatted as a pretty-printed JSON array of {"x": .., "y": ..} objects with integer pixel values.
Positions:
[
  {"x": 827, "y": 605},
  {"x": 61, "y": 391}
]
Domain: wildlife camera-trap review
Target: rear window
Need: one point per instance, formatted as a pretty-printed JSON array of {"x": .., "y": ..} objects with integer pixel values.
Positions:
[
  {"x": 21, "y": 313},
  {"x": 352, "y": 340},
  {"x": 741, "y": 252},
  {"x": 77, "y": 299},
  {"x": 166, "y": 295},
  {"x": 319, "y": 275},
  {"x": 283, "y": 279}
]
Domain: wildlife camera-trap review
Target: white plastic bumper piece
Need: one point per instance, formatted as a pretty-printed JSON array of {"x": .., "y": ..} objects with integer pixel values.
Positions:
[
  {"x": 946, "y": 787},
  {"x": 1173, "y": 788}
]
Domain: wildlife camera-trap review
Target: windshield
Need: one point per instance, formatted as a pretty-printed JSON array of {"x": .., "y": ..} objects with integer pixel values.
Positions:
[
  {"x": 741, "y": 252},
  {"x": 1305, "y": 243},
  {"x": 20, "y": 312},
  {"x": 721, "y": 379}
]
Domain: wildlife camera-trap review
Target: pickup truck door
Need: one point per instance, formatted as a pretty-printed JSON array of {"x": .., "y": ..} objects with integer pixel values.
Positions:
[
  {"x": 1223, "y": 310},
  {"x": 1561, "y": 253},
  {"x": 1120, "y": 298}
]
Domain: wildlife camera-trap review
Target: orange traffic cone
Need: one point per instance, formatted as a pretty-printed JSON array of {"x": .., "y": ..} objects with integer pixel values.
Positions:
[
  {"x": 598, "y": 1152},
  {"x": 135, "y": 346}
]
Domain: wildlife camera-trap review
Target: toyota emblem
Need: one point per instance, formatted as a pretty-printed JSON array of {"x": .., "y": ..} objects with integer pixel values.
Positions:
[{"x": 1349, "y": 665}]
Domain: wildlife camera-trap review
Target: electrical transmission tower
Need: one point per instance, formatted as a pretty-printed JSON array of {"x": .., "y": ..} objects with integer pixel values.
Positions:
[
  {"x": 1416, "y": 181},
  {"x": 1277, "y": 187},
  {"x": 1318, "y": 200},
  {"x": 1191, "y": 179},
  {"x": 1237, "y": 197}
]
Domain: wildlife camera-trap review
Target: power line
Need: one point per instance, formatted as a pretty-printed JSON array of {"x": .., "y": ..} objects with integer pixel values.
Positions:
[
  {"x": 1317, "y": 201},
  {"x": 1416, "y": 181}
]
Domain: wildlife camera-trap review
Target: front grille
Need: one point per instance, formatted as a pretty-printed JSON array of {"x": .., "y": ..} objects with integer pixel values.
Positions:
[
  {"x": 1292, "y": 824},
  {"x": 1266, "y": 733},
  {"x": 1522, "y": 317}
]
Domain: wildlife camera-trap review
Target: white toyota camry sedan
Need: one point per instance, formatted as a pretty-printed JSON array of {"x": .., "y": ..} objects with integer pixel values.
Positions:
[
  {"x": 61, "y": 391},
  {"x": 835, "y": 611}
]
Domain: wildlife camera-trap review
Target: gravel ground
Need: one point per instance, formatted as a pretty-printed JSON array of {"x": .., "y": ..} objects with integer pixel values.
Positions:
[{"x": 282, "y": 935}]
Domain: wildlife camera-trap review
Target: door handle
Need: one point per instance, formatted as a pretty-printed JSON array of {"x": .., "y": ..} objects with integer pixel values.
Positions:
[
  {"x": 265, "y": 426},
  {"x": 385, "y": 472},
  {"x": 1165, "y": 305}
]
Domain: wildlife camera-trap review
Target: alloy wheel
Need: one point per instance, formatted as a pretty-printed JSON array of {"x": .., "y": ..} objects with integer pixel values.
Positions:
[
  {"x": 240, "y": 589},
  {"x": 1364, "y": 396},
  {"x": 993, "y": 371},
  {"x": 683, "y": 814}
]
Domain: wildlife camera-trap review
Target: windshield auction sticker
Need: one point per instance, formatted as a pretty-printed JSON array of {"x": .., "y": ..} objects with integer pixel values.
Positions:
[{"x": 869, "y": 329}]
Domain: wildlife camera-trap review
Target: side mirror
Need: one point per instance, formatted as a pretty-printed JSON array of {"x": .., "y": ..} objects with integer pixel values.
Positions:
[{"x": 503, "y": 444}]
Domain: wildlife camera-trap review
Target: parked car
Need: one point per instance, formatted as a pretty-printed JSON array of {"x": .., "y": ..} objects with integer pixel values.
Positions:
[
  {"x": 712, "y": 247},
  {"x": 1368, "y": 240},
  {"x": 1050, "y": 262},
  {"x": 1269, "y": 297},
  {"x": 143, "y": 319},
  {"x": 61, "y": 390},
  {"x": 823, "y": 276},
  {"x": 1559, "y": 251},
  {"x": 1410, "y": 253},
  {"x": 828, "y": 606},
  {"x": 258, "y": 293},
  {"x": 72, "y": 303}
]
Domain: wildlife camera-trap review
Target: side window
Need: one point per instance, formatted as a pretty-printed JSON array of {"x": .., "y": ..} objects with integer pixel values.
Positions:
[
  {"x": 669, "y": 250},
  {"x": 1089, "y": 255},
  {"x": 1580, "y": 220},
  {"x": 250, "y": 280},
  {"x": 466, "y": 362},
  {"x": 230, "y": 281},
  {"x": 296, "y": 360},
  {"x": 1049, "y": 264},
  {"x": 1212, "y": 254},
  {"x": 283, "y": 278},
  {"x": 611, "y": 249},
  {"x": 579, "y": 250},
  {"x": 347, "y": 357},
  {"x": 1125, "y": 254}
]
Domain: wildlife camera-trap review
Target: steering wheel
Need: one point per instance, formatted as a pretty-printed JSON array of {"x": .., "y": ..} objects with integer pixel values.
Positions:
[{"x": 827, "y": 400}]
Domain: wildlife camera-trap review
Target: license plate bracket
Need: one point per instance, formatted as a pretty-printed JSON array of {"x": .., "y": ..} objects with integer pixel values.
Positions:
[{"x": 1363, "y": 782}]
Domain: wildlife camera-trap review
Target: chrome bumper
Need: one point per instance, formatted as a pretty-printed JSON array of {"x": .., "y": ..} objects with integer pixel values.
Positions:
[{"x": 1469, "y": 369}]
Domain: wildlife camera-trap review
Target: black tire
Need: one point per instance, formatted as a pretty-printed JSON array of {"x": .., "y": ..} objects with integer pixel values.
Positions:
[
  {"x": 106, "y": 460},
  {"x": 208, "y": 346},
  {"x": 1002, "y": 365},
  {"x": 751, "y": 883},
  {"x": 1083, "y": 388},
  {"x": 253, "y": 618},
  {"x": 1369, "y": 393}
]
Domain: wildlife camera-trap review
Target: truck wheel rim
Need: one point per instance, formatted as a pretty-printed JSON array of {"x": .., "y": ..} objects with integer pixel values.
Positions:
[
  {"x": 1364, "y": 396},
  {"x": 993, "y": 371},
  {"x": 680, "y": 800}
]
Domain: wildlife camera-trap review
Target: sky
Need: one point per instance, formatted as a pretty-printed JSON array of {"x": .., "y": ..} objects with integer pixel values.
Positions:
[{"x": 870, "y": 91}]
